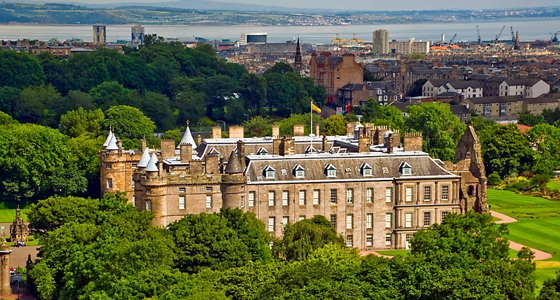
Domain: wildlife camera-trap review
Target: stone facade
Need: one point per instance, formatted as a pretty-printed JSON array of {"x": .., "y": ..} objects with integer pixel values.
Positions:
[
  {"x": 334, "y": 71},
  {"x": 376, "y": 189}
]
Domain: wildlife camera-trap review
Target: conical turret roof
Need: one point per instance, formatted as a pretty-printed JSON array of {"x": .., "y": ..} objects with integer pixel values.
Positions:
[
  {"x": 234, "y": 164},
  {"x": 152, "y": 164},
  {"x": 187, "y": 137},
  {"x": 145, "y": 159},
  {"x": 112, "y": 145},
  {"x": 109, "y": 137}
]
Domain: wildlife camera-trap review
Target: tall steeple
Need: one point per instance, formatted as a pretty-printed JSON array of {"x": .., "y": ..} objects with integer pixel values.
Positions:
[{"x": 297, "y": 59}]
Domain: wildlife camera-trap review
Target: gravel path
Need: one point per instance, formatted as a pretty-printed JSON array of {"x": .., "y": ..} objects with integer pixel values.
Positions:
[{"x": 539, "y": 255}]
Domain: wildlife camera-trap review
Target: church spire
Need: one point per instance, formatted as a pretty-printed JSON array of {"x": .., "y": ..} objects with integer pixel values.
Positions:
[{"x": 297, "y": 59}]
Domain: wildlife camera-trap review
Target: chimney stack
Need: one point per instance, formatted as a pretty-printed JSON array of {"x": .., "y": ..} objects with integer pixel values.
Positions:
[
  {"x": 317, "y": 130},
  {"x": 299, "y": 130},
  {"x": 142, "y": 145},
  {"x": 412, "y": 141},
  {"x": 216, "y": 132},
  {"x": 186, "y": 152},
  {"x": 236, "y": 132},
  {"x": 363, "y": 144},
  {"x": 275, "y": 131},
  {"x": 167, "y": 148}
]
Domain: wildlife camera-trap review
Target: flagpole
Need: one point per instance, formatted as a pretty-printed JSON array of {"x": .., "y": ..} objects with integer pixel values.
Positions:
[{"x": 311, "y": 129}]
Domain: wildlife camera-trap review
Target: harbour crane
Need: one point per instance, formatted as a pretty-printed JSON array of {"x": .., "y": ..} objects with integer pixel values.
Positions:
[
  {"x": 497, "y": 39},
  {"x": 512, "y": 35},
  {"x": 479, "y": 39},
  {"x": 452, "y": 39}
]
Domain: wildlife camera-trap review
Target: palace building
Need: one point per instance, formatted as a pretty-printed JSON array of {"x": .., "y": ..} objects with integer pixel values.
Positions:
[{"x": 375, "y": 186}]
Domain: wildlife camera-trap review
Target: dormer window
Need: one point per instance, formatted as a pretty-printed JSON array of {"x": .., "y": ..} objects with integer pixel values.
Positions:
[
  {"x": 366, "y": 170},
  {"x": 269, "y": 172},
  {"x": 262, "y": 151},
  {"x": 405, "y": 168},
  {"x": 330, "y": 171},
  {"x": 299, "y": 171}
]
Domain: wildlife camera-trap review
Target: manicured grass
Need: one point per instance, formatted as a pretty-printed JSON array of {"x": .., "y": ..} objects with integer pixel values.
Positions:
[
  {"x": 8, "y": 215},
  {"x": 553, "y": 184},
  {"x": 543, "y": 274},
  {"x": 538, "y": 220},
  {"x": 394, "y": 252}
]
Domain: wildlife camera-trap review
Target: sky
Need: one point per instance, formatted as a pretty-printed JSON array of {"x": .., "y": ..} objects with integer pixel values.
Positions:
[{"x": 373, "y": 4}]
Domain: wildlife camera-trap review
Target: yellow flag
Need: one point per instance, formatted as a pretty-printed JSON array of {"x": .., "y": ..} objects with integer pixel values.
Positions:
[{"x": 315, "y": 108}]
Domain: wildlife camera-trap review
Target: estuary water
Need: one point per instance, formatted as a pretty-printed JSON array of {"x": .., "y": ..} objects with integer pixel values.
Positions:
[{"x": 529, "y": 30}]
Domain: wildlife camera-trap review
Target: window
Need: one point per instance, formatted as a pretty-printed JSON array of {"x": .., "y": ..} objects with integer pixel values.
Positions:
[
  {"x": 405, "y": 169},
  {"x": 299, "y": 171},
  {"x": 285, "y": 221},
  {"x": 285, "y": 198},
  {"x": 251, "y": 199},
  {"x": 301, "y": 218},
  {"x": 271, "y": 223},
  {"x": 388, "y": 194},
  {"x": 330, "y": 171},
  {"x": 388, "y": 240},
  {"x": 302, "y": 197},
  {"x": 333, "y": 196},
  {"x": 408, "y": 220},
  {"x": 181, "y": 190},
  {"x": 443, "y": 215},
  {"x": 408, "y": 237},
  {"x": 445, "y": 193},
  {"x": 208, "y": 188},
  {"x": 388, "y": 220},
  {"x": 148, "y": 191},
  {"x": 109, "y": 166},
  {"x": 369, "y": 221},
  {"x": 271, "y": 198},
  {"x": 367, "y": 170},
  {"x": 269, "y": 172},
  {"x": 427, "y": 193},
  {"x": 349, "y": 195},
  {"x": 408, "y": 194},
  {"x": 333, "y": 220},
  {"x": 349, "y": 221},
  {"x": 316, "y": 199},
  {"x": 349, "y": 241},
  {"x": 427, "y": 218},
  {"x": 369, "y": 195},
  {"x": 369, "y": 240},
  {"x": 109, "y": 183},
  {"x": 208, "y": 201},
  {"x": 242, "y": 202},
  {"x": 149, "y": 205},
  {"x": 181, "y": 202}
]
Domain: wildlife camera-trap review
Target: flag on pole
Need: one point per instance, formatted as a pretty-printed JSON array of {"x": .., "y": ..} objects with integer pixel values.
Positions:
[{"x": 315, "y": 108}]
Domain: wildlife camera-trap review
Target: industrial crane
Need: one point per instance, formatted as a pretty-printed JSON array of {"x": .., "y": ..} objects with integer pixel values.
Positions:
[
  {"x": 512, "y": 35},
  {"x": 497, "y": 39},
  {"x": 452, "y": 39},
  {"x": 479, "y": 39}
]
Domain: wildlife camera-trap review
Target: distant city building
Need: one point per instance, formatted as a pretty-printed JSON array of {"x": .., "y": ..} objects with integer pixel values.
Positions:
[
  {"x": 99, "y": 35},
  {"x": 137, "y": 35},
  {"x": 411, "y": 46},
  {"x": 381, "y": 42},
  {"x": 253, "y": 38}
]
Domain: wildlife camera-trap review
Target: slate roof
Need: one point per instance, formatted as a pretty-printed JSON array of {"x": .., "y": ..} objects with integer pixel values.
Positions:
[
  {"x": 522, "y": 81},
  {"x": 348, "y": 167},
  {"x": 465, "y": 84},
  {"x": 496, "y": 99}
]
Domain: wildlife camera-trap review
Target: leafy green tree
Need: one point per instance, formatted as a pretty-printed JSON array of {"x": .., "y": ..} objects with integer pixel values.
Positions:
[
  {"x": 20, "y": 70},
  {"x": 157, "y": 107},
  {"x": 527, "y": 118},
  {"x": 280, "y": 94},
  {"x": 280, "y": 68},
  {"x": 189, "y": 105},
  {"x": 53, "y": 212},
  {"x": 6, "y": 119},
  {"x": 36, "y": 163},
  {"x": 235, "y": 111},
  {"x": 253, "y": 91},
  {"x": 545, "y": 140},
  {"x": 33, "y": 103},
  {"x": 302, "y": 237},
  {"x": 550, "y": 289},
  {"x": 112, "y": 93},
  {"x": 335, "y": 125},
  {"x": 82, "y": 122},
  {"x": 384, "y": 115},
  {"x": 505, "y": 150},
  {"x": 440, "y": 128},
  {"x": 258, "y": 126},
  {"x": 128, "y": 122},
  {"x": 54, "y": 68},
  {"x": 85, "y": 154},
  {"x": 9, "y": 98},
  {"x": 206, "y": 241},
  {"x": 174, "y": 134},
  {"x": 287, "y": 125}
]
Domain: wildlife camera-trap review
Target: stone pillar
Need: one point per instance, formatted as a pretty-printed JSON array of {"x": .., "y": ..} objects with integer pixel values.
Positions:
[{"x": 5, "y": 288}]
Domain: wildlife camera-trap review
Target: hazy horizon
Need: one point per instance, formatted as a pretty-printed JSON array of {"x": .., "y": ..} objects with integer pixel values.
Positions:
[{"x": 363, "y": 4}]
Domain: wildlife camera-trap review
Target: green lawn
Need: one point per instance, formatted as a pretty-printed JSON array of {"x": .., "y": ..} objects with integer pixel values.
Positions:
[
  {"x": 8, "y": 215},
  {"x": 394, "y": 252}
]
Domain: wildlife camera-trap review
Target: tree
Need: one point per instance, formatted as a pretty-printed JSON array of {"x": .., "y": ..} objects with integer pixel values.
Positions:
[
  {"x": 527, "y": 118},
  {"x": 51, "y": 213},
  {"x": 112, "y": 93},
  {"x": 286, "y": 125},
  {"x": 6, "y": 119},
  {"x": 258, "y": 126},
  {"x": 280, "y": 68},
  {"x": 206, "y": 241},
  {"x": 36, "y": 163},
  {"x": 9, "y": 98},
  {"x": 33, "y": 103},
  {"x": 302, "y": 237},
  {"x": 20, "y": 70},
  {"x": 384, "y": 115},
  {"x": 440, "y": 128},
  {"x": 335, "y": 125},
  {"x": 82, "y": 122},
  {"x": 545, "y": 140},
  {"x": 253, "y": 91},
  {"x": 157, "y": 107},
  {"x": 128, "y": 122},
  {"x": 416, "y": 89},
  {"x": 550, "y": 289}
]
